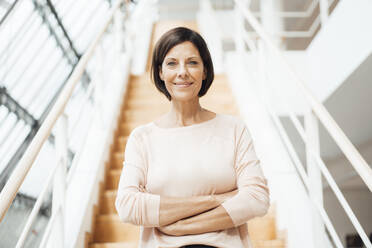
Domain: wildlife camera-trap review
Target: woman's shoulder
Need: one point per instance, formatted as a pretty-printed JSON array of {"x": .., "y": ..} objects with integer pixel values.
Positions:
[
  {"x": 236, "y": 124},
  {"x": 139, "y": 131},
  {"x": 232, "y": 120}
]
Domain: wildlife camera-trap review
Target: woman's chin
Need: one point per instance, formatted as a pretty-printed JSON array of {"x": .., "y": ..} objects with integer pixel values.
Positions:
[{"x": 183, "y": 97}]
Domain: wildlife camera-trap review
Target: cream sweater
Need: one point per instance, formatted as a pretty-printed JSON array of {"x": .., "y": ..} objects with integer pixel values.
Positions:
[{"x": 214, "y": 156}]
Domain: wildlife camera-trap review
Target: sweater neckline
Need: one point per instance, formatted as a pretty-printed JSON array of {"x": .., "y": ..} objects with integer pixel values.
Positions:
[{"x": 186, "y": 127}]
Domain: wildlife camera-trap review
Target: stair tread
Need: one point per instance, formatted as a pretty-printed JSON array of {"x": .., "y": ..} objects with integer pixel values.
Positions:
[
  {"x": 114, "y": 245},
  {"x": 110, "y": 218},
  {"x": 276, "y": 243},
  {"x": 115, "y": 172},
  {"x": 110, "y": 192}
]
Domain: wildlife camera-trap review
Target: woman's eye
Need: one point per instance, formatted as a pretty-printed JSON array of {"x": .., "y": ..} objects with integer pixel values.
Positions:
[
  {"x": 171, "y": 63},
  {"x": 193, "y": 62}
]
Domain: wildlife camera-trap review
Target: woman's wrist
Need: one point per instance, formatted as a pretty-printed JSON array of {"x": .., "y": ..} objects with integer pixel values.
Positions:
[
  {"x": 220, "y": 198},
  {"x": 216, "y": 200}
]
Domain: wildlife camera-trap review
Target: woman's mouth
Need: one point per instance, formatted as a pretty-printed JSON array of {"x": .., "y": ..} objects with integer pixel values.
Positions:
[{"x": 182, "y": 85}]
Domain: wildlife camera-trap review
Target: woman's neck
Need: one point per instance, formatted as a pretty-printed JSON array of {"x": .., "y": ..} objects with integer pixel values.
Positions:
[{"x": 186, "y": 113}]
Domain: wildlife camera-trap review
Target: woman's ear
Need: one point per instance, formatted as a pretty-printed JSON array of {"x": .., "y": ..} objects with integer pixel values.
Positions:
[{"x": 161, "y": 73}]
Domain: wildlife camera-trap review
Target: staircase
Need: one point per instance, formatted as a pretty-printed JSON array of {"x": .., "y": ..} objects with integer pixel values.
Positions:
[{"x": 143, "y": 103}]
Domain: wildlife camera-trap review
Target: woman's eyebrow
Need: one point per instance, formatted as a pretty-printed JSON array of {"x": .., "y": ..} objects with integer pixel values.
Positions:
[{"x": 192, "y": 57}]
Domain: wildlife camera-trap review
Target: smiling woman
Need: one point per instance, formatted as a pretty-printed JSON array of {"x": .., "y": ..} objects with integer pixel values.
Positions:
[
  {"x": 192, "y": 177},
  {"x": 183, "y": 69},
  {"x": 181, "y": 56}
]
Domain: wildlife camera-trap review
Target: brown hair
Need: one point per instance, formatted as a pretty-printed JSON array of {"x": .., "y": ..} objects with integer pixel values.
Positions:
[{"x": 172, "y": 38}]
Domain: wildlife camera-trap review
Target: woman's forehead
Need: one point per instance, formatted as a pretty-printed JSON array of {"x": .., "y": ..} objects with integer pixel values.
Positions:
[{"x": 184, "y": 49}]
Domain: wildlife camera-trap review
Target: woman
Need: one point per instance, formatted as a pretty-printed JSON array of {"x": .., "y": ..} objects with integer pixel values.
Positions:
[{"x": 190, "y": 178}]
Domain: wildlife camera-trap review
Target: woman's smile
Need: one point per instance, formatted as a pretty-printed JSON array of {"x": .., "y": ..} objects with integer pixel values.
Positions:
[{"x": 182, "y": 85}]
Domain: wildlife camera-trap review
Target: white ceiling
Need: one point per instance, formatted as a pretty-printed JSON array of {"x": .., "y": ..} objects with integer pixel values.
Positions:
[{"x": 351, "y": 107}]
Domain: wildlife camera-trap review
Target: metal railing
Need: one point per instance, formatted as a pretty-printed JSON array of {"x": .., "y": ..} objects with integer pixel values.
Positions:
[
  {"x": 321, "y": 18},
  {"x": 57, "y": 118},
  {"x": 316, "y": 111}
]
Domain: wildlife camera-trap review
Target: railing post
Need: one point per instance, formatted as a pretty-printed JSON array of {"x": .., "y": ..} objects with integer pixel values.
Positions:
[
  {"x": 98, "y": 80},
  {"x": 239, "y": 25},
  {"x": 315, "y": 176},
  {"x": 129, "y": 33},
  {"x": 323, "y": 6},
  {"x": 118, "y": 32},
  {"x": 59, "y": 185},
  {"x": 271, "y": 21},
  {"x": 262, "y": 70}
]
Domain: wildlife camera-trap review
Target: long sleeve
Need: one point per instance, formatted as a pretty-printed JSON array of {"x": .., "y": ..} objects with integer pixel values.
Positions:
[
  {"x": 132, "y": 205},
  {"x": 252, "y": 198}
]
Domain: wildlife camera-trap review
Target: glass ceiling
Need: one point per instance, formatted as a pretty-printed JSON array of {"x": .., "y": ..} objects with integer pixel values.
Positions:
[{"x": 41, "y": 42}]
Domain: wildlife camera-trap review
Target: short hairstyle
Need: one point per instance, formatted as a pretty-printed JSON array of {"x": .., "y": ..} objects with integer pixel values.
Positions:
[{"x": 172, "y": 38}]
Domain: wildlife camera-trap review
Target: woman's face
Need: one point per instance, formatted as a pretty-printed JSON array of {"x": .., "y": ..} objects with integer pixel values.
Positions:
[{"x": 183, "y": 71}]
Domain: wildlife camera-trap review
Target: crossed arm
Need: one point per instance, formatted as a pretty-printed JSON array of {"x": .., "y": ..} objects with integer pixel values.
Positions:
[
  {"x": 194, "y": 215},
  {"x": 197, "y": 214}
]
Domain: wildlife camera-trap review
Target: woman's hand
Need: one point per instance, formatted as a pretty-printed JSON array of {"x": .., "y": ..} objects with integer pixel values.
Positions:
[
  {"x": 172, "y": 229},
  {"x": 143, "y": 189}
]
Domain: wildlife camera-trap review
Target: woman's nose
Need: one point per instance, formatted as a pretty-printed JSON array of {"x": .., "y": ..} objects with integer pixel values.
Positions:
[{"x": 182, "y": 71}]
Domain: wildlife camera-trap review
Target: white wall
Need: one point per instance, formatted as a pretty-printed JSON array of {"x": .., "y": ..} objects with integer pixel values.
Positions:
[
  {"x": 82, "y": 192},
  {"x": 355, "y": 192},
  {"x": 340, "y": 46},
  {"x": 361, "y": 203},
  {"x": 286, "y": 189}
]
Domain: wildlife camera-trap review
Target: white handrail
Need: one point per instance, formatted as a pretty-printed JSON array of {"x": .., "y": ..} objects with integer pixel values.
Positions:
[
  {"x": 331, "y": 126},
  {"x": 44, "y": 190},
  {"x": 16, "y": 179},
  {"x": 36, "y": 208},
  {"x": 343, "y": 201},
  {"x": 48, "y": 228},
  {"x": 327, "y": 176},
  {"x": 327, "y": 121},
  {"x": 295, "y": 14},
  {"x": 303, "y": 14},
  {"x": 300, "y": 168}
]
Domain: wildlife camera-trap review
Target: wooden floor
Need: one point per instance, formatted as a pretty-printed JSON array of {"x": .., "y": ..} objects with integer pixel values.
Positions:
[{"x": 144, "y": 104}]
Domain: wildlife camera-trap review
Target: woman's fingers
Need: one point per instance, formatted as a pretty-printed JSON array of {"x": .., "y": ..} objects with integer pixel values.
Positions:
[{"x": 142, "y": 189}]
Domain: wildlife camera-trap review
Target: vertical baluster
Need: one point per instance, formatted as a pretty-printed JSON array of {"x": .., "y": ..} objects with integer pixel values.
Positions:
[
  {"x": 239, "y": 25},
  {"x": 118, "y": 32},
  {"x": 315, "y": 177},
  {"x": 59, "y": 184},
  {"x": 99, "y": 80},
  {"x": 323, "y": 6}
]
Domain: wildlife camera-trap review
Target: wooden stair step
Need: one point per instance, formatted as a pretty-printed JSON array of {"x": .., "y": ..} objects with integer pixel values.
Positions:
[
  {"x": 148, "y": 109},
  {"x": 262, "y": 228},
  {"x": 138, "y": 116},
  {"x": 115, "y": 245},
  {"x": 117, "y": 160},
  {"x": 113, "y": 177},
  {"x": 276, "y": 243},
  {"x": 107, "y": 204},
  {"x": 126, "y": 128},
  {"x": 121, "y": 142},
  {"x": 109, "y": 228},
  {"x": 137, "y": 106}
]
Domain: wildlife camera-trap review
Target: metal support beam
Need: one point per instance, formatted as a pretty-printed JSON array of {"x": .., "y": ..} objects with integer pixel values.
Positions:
[
  {"x": 21, "y": 113},
  {"x": 41, "y": 10},
  {"x": 29, "y": 202},
  {"x": 72, "y": 60},
  {"x": 16, "y": 108},
  {"x": 8, "y": 12},
  {"x": 54, "y": 12}
]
